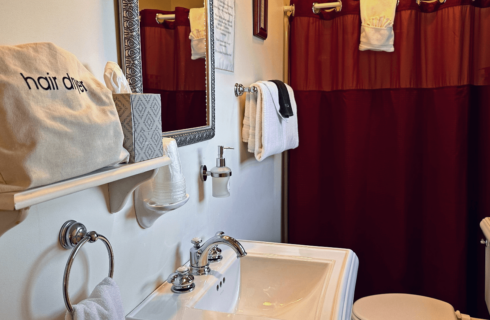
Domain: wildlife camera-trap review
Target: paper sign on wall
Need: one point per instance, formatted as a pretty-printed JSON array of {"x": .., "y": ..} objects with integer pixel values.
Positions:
[{"x": 224, "y": 34}]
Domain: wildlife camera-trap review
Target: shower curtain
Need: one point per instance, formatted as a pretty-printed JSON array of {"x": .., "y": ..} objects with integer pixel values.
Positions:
[
  {"x": 169, "y": 71},
  {"x": 394, "y": 159}
]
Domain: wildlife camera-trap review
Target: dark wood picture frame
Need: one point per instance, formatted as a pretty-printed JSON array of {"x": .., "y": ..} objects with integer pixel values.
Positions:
[{"x": 261, "y": 18}]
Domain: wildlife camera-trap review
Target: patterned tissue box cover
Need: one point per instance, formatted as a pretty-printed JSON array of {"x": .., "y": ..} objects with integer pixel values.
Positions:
[{"x": 141, "y": 122}]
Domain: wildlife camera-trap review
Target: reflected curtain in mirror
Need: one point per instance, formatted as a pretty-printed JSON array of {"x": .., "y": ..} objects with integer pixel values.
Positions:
[{"x": 169, "y": 70}]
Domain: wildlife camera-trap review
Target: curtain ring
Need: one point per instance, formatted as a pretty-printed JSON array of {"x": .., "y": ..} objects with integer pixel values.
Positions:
[{"x": 70, "y": 237}]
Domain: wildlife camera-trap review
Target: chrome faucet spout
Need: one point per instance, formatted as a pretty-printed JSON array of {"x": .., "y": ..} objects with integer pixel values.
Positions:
[{"x": 200, "y": 252}]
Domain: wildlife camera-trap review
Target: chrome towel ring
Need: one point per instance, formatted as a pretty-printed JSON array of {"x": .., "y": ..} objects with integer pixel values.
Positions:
[{"x": 74, "y": 235}]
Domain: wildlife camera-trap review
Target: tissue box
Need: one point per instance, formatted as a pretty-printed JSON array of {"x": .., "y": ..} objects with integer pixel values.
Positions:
[{"x": 141, "y": 121}]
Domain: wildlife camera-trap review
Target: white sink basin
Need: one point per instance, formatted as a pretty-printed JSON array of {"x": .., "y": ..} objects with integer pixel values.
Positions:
[{"x": 274, "y": 281}]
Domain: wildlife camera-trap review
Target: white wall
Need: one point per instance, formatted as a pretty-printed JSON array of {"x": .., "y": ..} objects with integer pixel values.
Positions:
[{"x": 31, "y": 260}]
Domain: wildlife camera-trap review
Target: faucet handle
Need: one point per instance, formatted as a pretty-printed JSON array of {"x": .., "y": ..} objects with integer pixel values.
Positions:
[
  {"x": 196, "y": 242},
  {"x": 215, "y": 253},
  {"x": 182, "y": 281},
  {"x": 183, "y": 270}
]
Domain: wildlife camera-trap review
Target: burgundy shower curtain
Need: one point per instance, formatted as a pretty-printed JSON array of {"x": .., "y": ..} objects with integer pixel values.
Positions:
[
  {"x": 169, "y": 70},
  {"x": 394, "y": 154}
]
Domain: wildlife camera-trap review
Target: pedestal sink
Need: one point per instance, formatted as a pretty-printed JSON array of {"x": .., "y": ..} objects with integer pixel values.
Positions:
[{"x": 274, "y": 281}]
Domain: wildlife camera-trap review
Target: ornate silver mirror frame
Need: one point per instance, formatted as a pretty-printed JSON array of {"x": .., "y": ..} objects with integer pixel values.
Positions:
[{"x": 131, "y": 65}]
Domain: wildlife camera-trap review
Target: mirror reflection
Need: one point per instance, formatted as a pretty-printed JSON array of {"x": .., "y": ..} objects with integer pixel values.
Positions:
[{"x": 173, "y": 54}]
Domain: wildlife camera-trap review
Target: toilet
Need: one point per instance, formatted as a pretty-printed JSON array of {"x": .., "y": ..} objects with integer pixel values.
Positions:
[{"x": 396, "y": 306}]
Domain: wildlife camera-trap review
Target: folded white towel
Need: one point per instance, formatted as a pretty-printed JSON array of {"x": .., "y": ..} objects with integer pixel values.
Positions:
[
  {"x": 377, "y": 18},
  {"x": 273, "y": 133},
  {"x": 104, "y": 303},
  {"x": 197, "y": 18}
]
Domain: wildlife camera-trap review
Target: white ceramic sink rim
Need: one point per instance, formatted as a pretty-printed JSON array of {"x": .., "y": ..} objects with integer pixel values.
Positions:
[{"x": 337, "y": 294}]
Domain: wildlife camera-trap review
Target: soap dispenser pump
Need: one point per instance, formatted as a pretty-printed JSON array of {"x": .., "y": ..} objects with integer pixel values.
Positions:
[{"x": 221, "y": 175}]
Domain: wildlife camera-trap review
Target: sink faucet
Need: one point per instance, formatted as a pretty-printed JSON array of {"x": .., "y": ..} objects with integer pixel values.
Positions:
[{"x": 200, "y": 252}]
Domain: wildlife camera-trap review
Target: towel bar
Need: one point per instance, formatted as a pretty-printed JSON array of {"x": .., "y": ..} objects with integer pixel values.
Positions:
[
  {"x": 430, "y": 1},
  {"x": 74, "y": 235},
  {"x": 240, "y": 89},
  {"x": 289, "y": 10},
  {"x": 163, "y": 17},
  {"x": 398, "y": 2},
  {"x": 317, "y": 7}
]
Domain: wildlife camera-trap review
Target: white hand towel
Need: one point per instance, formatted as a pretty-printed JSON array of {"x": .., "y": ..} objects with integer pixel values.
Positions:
[
  {"x": 377, "y": 18},
  {"x": 197, "y": 18},
  {"x": 104, "y": 303},
  {"x": 246, "y": 120},
  {"x": 273, "y": 134},
  {"x": 248, "y": 130}
]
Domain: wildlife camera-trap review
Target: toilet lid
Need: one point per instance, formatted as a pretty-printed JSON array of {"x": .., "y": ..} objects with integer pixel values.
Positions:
[{"x": 401, "y": 307}]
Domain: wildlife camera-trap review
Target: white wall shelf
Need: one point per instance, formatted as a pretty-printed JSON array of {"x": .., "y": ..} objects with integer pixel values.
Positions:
[{"x": 122, "y": 180}]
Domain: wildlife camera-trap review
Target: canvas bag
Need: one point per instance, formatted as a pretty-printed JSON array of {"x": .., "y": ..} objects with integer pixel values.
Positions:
[{"x": 57, "y": 121}]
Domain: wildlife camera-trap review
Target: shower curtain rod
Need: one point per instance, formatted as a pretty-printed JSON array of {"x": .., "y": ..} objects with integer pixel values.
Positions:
[
  {"x": 164, "y": 17},
  {"x": 289, "y": 10},
  {"x": 319, "y": 6}
]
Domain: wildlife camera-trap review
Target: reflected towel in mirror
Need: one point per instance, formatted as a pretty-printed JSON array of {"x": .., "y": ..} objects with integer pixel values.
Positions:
[{"x": 197, "y": 18}]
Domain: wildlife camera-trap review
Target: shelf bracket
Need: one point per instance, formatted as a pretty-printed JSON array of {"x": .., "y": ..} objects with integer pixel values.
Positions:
[{"x": 121, "y": 190}]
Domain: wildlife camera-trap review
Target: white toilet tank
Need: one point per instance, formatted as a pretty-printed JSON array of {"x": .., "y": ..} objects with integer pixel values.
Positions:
[{"x": 485, "y": 226}]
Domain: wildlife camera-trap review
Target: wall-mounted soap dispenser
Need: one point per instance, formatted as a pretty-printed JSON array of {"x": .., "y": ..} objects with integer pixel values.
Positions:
[{"x": 221, "y": 175}]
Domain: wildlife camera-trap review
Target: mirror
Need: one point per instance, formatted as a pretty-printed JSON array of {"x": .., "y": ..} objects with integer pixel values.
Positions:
[{"x": 167, "y": 48}]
